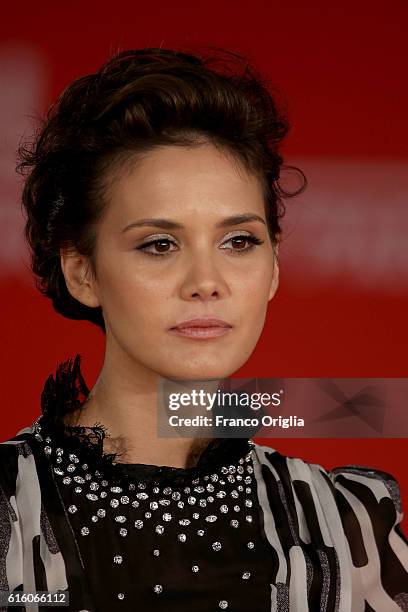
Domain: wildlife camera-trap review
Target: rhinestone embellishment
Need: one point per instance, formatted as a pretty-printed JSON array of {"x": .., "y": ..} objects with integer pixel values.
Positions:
[
  {"x": 211, "y": 518},
  {"x": 210, "y": 501}
]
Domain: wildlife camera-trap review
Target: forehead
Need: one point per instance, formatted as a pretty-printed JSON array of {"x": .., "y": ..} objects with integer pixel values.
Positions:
[{"x": 178, "y": 180}]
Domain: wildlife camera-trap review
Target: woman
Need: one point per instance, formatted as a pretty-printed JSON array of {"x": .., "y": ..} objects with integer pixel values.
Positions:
[{"x": 153, "y": 209}]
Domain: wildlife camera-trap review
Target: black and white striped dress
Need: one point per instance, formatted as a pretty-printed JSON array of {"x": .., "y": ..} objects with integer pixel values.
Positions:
[{"x": 246, "y": 529}]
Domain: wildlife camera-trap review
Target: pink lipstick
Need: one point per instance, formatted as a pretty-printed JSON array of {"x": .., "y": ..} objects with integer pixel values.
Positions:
[{"x": 202, "y": 328}]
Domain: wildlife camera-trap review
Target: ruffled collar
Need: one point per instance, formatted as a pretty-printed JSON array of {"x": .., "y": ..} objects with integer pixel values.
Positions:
[{"x": 66, "y": 392}]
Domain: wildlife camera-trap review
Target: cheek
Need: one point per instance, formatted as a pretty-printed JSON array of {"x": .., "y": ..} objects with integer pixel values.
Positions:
[
  {"x": 132, "y": 300},
  {"x": 253, "y": 304},
  {"x": 253, "y": 290}
]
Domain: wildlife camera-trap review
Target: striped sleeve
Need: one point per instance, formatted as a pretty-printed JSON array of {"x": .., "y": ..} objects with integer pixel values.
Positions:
[
  {"x": 11, "y": 558},
  {"x": 30, "y": 558},
  {"x": 370, "y": 507}
]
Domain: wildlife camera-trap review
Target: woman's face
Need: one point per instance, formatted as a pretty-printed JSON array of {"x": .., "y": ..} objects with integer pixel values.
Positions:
[{"x": 168, "y": 251}]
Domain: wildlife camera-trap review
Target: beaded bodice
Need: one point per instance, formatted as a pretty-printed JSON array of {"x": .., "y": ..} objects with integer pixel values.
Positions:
[{"x": 167, "y": 538}]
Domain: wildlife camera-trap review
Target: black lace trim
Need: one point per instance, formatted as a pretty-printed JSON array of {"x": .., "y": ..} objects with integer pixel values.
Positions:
[{"x": 67, "y": 392}]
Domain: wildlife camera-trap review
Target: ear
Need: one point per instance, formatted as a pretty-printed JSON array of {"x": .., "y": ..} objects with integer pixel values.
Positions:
[
  {"x": 78, "y": 277},
  {"x": 275, "y": 275}
]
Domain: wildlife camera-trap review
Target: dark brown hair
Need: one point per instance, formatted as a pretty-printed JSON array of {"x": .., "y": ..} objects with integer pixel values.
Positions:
[{"x": 139, "y": 99}]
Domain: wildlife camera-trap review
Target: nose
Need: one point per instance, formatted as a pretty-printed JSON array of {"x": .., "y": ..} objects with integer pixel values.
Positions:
[{"x": 203, "y": 279}]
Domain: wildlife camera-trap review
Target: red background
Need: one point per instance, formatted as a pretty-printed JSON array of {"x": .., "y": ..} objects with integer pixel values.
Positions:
[{"x": 342, "y": 68}]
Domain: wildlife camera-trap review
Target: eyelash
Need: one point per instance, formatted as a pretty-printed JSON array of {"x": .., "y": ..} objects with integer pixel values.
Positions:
[{"x": 252, "y": 239}]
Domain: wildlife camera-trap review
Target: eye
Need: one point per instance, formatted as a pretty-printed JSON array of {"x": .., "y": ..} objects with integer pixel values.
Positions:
[
  {"x": 239, "y": 241},
  {"x": 160, "y": 244}
]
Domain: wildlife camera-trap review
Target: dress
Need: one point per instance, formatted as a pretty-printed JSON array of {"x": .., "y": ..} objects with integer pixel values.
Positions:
[{"x": 246, "y": 529}]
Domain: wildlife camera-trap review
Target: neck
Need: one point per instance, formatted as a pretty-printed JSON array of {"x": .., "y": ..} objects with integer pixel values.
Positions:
[{"x": 125, "y": 399}]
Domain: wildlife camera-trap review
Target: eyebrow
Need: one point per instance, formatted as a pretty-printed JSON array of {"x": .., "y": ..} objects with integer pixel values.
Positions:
[{"x": 168, "y": 224}]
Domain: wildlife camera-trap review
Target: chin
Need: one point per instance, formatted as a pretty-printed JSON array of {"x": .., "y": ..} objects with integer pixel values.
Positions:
[{"x": 199, "y": 372}]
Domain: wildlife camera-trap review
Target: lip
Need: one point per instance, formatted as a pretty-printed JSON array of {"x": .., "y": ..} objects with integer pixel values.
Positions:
[
  {"x": 202, "y": 328},
  {"x": 202, "y": 322}
]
